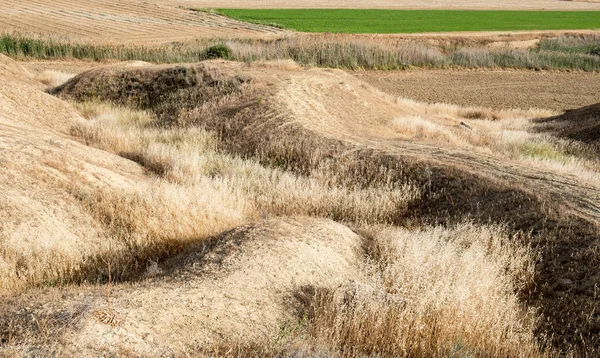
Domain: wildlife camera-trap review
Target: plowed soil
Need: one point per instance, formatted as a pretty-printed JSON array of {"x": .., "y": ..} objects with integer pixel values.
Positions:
[{"x": 494, "y": 89}]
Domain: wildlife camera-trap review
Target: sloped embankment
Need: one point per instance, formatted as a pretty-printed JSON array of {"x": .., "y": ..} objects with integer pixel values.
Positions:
[
  {"x": 316, "y": 122},
  {"x": 58, "y": 226},
  {"x": 45, "y": 232},
  {"x": 581, "y": 124},
  {"x": 238, "y": 287}
]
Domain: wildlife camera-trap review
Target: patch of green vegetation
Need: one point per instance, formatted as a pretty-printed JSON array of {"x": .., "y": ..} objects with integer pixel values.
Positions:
[
  {"x": 217, "y": 51},
  {"x": 585, "y": 44},
  {"x": 542, "y": 150},
  {"x": 356, "y": 21}
]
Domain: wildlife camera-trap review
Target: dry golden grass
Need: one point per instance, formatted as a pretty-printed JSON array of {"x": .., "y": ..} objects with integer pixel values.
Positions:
[
  {"x": 50, "y": 78},
  {"x": 508, "y": 134},
  {"x": 457, "y": 288},
  {"x": 187, "y": 156},
  {"x": 434, "y": 292},
  {"x": 224, "y": 144}
]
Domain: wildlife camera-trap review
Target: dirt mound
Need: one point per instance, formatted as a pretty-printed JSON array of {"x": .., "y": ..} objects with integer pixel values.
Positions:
[
  {"x": 242, "y": 286},
  {"x": 40, "y": 170},
  {"x": 582, "y": 125},
  {"x": 8, "y": 67},
  {"x": 317, "y": 121}
]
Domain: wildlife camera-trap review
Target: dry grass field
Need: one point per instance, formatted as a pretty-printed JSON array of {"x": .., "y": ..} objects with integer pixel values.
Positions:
[
  {"x": 273, "y": 204},
  {"x": 139, "y": 22},
  {"x": 386, "y": 219}
]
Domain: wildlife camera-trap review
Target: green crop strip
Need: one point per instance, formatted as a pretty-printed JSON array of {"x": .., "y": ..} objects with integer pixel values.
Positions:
[{"x": 413, "y": 21}]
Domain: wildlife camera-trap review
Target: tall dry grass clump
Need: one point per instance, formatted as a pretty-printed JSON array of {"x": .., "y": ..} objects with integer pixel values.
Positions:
[
  {"x": 51, "y": 78},
  {"x": 190, "y": 156},
  {"x": 434, "y": 292}
]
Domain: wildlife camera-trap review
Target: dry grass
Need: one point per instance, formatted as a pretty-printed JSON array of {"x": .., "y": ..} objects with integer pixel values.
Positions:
[
  {"x": 430, "y": 292},
  {"x": 328, "y": 50},
  {"x": 186, "y": 156},
  {"x": 434, "y": 292},
  {"x": 508, "y": 134},
  {"x": 219, "y": 151},
  {"x": 52, "y": 79}
]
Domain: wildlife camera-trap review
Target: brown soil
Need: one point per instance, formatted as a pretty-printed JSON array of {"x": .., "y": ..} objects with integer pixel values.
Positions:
[{"x": 493, "y": 89}]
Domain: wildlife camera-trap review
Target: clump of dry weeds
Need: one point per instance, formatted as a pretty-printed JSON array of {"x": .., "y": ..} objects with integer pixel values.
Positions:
[{"x": 433, "y": 292}]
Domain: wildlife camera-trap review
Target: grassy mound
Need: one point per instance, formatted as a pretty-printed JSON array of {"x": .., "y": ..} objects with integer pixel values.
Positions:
[{"x": 325, "y": 127}]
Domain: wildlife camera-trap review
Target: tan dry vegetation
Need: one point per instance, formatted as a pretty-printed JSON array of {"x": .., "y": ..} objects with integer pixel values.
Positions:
[
  {"x": 326, "y": 125},
  {"x": 102, "y": 207},
  {"x": 223, "y": 143},
  {"x": 434, "y": 292},
  {"x": 509, "y": 134},
  {"x": 299, "y": 285},
  {"x": 139, "y": 22},
  {"x": 39, "y": 164},
  {"x": 50, "y": 78},
  {"x": 190, "y": 156}
]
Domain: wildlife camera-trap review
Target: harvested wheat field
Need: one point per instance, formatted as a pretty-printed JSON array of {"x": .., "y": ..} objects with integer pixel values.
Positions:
[
  {"x": 501, "y": 89},
  {"x": 122, "y": 22},
  {"x": 269, "y": 209}
]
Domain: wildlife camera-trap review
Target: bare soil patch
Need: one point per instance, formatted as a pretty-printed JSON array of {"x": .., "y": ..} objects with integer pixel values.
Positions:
[{"x": 494, "y": 89}]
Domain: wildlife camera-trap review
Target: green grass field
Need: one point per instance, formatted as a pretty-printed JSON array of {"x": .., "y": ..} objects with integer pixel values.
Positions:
[{"x": 411, "y": 21}]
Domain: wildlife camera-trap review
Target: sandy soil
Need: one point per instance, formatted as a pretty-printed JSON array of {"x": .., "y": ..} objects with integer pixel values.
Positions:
[
  {"x": 494, "y": 89},
  {"x": 115, "y": 21},
  {"x": 39, "y": 163},
  {"x": 394, "y": 4}
]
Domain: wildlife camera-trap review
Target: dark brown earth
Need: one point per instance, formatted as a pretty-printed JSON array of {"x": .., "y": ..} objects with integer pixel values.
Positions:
[{"x": 499, "y": 89}]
